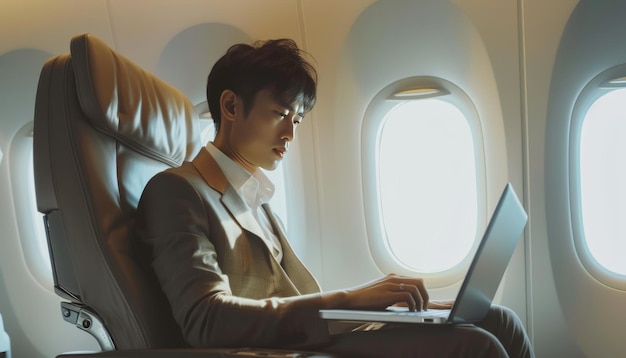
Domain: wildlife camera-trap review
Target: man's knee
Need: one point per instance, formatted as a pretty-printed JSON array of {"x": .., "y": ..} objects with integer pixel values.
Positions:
[
  {"x": 504, "y": 314},
  {"x": 481, "y": 343},
  {"x": 505, "y": 324}
]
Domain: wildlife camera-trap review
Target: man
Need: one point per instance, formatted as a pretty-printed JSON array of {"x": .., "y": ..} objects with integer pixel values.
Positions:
[{"x": 222, "y": 257}]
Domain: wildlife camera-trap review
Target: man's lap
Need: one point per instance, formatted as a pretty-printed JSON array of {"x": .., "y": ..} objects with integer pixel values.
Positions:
[{"x": 501, "y": 331}]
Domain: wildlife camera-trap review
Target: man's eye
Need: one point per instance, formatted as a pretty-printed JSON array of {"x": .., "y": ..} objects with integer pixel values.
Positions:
[{"x": 281, "y": 114}]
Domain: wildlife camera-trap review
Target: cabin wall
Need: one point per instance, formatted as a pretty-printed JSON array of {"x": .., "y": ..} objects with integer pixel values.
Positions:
[
  {"x": 544, "y": 23},
  {"x": 502, "y": 52}
]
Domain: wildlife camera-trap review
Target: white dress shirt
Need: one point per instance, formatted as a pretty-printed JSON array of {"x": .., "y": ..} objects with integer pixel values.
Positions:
[{"x": 255, "y": 189}]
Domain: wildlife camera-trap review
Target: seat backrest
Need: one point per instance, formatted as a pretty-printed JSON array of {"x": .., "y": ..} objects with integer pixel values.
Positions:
[{"x": 103, "y": 127}]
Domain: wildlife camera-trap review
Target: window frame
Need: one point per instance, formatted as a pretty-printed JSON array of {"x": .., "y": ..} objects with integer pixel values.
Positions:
[
  {"x": 374, "y": 116},
  {"x": 597, "y": 87}
]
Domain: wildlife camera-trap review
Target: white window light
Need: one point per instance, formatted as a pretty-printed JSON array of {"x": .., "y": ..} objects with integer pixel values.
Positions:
[
  {"x": 597, "y": 173},
  {"x": 615, "y": 82},
  {"x": 427, "y": 179},
  {"x": 421, "y": 170},
  {"x": 602, "y": 174},
  {"x": 418, "y": 93},
  {"x": 29, "y": 219}
]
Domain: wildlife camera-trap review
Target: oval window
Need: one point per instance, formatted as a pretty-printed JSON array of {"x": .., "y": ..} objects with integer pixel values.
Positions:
[
  {"x": 602, "y": 177},
  {"x": 427, "y": 183},
  {"x": 29, "y": 219}
]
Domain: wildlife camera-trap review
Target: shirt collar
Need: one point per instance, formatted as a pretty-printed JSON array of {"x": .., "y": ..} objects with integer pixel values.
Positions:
[{"x": 255, "y": 188}]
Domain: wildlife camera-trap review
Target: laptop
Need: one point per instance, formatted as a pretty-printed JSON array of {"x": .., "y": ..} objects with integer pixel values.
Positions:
[{"x": 481, "y": 281}]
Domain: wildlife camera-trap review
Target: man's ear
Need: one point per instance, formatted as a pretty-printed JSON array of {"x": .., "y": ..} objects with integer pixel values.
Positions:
[{"x": 228, "y": 104}]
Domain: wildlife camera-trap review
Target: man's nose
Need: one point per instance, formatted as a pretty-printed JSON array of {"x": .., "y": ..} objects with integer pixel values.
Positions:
[{"x": 289, "y": 130}]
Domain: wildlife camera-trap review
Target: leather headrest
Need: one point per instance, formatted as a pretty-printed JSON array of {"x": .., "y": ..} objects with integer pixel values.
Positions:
[{"x": 131, "y": 104}]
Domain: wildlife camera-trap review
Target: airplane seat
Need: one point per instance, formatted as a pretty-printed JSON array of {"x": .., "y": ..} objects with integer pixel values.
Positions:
[{"x": 103, "y": 127}]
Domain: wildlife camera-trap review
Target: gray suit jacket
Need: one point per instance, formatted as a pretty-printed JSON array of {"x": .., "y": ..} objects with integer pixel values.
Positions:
[{"x": 223, "y": 284}]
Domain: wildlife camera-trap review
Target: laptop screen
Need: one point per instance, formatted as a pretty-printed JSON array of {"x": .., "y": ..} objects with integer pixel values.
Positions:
[{"x": 491, "y": 259}]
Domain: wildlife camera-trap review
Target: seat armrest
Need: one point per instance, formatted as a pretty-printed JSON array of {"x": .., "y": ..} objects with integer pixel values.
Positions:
[{"x": 82, "y": 317}]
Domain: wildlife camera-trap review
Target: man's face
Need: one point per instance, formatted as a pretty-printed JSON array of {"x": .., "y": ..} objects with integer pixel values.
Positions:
[{"x": 262, "y": 138}]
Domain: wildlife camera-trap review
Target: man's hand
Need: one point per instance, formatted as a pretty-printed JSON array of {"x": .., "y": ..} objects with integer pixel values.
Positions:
[
  {"x": 387, "y": 291},
  {"x": 440, "y": 305}
]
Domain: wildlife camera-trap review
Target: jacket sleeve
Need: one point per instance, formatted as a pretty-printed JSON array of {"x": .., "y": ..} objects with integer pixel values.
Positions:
[{"x": 177, "y": 226}]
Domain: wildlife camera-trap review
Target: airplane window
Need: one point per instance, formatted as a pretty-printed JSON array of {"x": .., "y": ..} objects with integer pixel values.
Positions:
[
  {"x": 421, "y": 173},
  {"x": 602, "y": 174},
  {"x": 427, "y": 180},
  {"x": 29, "y": 219},
  {"x": 38, "y": 226}
]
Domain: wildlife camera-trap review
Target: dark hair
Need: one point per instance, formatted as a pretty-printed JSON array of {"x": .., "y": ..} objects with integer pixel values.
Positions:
[{"x": 275, "y": 65}]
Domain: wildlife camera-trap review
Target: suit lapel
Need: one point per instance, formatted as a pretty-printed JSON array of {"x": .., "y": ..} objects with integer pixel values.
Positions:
[
  {"x": 300, "y": 276},
  {"x": 210, "y": 171}
]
